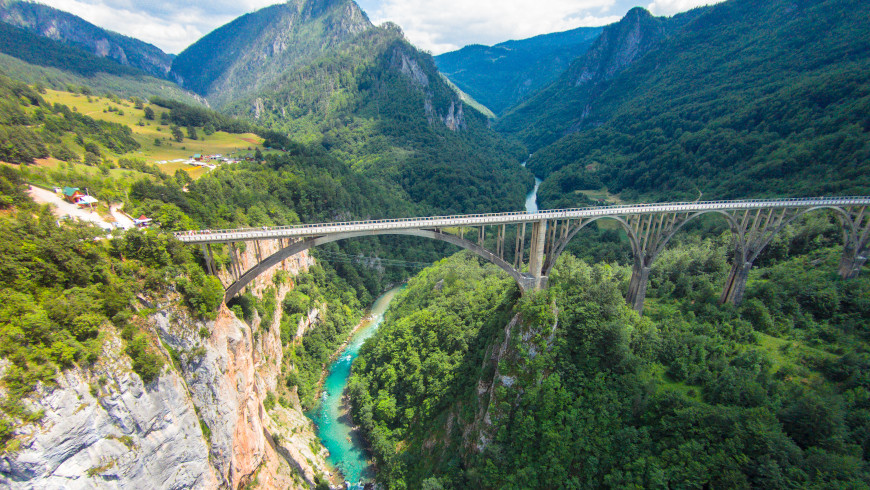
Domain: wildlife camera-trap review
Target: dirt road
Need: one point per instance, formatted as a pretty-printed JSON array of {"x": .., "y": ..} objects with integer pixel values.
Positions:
[{"x": 62, "y": 208}]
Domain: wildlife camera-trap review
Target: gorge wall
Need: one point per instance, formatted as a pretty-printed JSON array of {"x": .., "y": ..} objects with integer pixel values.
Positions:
[{"x": 201, "y": 424}]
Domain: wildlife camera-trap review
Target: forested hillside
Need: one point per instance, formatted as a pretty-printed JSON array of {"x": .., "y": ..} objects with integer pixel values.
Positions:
[
  {"x": 580, "y": 390},
  {"x": 502, "y": 75},
  {"x": 326, "y": 75},
  {"x": 30, "y": 58},
  {"x": 251, "y": 52},
  {"x": 74, "y": 31},
  {"x": 745, "y": 99}
]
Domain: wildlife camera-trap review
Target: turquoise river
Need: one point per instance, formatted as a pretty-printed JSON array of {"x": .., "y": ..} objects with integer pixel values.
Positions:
[{"x": 331, "y": 415}]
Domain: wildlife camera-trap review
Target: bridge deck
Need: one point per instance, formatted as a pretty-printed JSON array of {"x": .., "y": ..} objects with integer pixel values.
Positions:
[{"x": 430, "y": 222}]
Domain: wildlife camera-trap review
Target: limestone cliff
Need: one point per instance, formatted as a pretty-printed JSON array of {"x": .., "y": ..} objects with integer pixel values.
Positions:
[{"x": 201, "y": 424}]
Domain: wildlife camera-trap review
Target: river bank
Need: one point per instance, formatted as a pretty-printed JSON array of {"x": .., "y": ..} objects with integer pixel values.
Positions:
[{"x": 331, "y": 416}]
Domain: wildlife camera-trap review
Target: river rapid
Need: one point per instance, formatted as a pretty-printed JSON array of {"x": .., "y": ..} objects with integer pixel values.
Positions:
[{"x": 331, "y": 415}]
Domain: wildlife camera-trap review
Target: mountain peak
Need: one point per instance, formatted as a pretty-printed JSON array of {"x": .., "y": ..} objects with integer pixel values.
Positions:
[{"x": 253, "y": 50}]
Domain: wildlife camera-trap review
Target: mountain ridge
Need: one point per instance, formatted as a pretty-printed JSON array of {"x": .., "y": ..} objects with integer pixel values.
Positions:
[
  {"x": 248, "y": 53},
  {"x": 618, "y": 46},
  {"x": 501, "y": 75},
  {"x": 72, "y": 30}
]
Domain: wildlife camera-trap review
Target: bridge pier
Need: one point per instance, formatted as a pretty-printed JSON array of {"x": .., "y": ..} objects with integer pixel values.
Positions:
[
  {"x": 637, "y": 287},
  {"x": 852, "y": 261},
  {"x": 735, "y": 285},
  {"x": 536, "y": 253},
  {"x": 857, "y": 239},
  {"x": 209, "y": 258}
]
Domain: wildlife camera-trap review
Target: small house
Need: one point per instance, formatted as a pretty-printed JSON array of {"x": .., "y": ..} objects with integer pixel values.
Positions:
[
  {"x": 72, "y": 194},
  {"x": 197, "y": 157},
  {"x": 142, "y": 221}
]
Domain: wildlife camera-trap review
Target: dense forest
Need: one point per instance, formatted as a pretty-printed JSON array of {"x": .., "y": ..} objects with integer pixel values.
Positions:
[
  {"x": 581, "y": 391},
  {"x": 744, "y": 100}
]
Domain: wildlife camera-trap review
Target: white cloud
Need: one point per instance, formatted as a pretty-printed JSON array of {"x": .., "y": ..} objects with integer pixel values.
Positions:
[
  {"x": 671, "y": 7},
  {"x": 450, "y": 24},
  {"x": 169, "y": 25},
  {"x": 437, "y": 26}
]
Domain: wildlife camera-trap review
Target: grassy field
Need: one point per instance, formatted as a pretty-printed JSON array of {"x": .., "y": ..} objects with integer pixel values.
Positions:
[
  {"x": 124, "y": 112},
  {"x": 601, "y": 194}
]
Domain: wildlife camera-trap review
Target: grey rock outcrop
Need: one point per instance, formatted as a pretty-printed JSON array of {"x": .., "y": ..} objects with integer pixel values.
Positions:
[
  {"x": 102, "y": 427},
  {"x": 75, "y": 31}
]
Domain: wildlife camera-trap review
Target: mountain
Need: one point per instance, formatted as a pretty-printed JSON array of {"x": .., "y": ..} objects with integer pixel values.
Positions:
[
  {"x": 250, "y": 52},
  {"x": 319, "y": 71},
  {"x": 499, "y": 76},
  {"x": 75, "y": 31},
  {"x": 550, "y": 113},
  {"x": 735, "y": 100},
  {"x": 33, "y": 59}
]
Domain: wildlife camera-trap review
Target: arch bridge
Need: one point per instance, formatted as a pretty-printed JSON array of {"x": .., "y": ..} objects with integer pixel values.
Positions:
[{"x": 527, "y": 245}]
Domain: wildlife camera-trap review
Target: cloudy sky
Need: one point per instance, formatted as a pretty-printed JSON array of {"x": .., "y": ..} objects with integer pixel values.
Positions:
[{"x": 434, "y": 25}]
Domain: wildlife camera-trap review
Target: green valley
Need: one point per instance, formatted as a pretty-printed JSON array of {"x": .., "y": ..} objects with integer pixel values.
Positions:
[{"x": 211, "y": 321}]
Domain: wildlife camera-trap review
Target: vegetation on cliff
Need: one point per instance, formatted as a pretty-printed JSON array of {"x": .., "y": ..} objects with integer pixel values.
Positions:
[
  {"x": 584, "y": 392},
  {"x": 65, "y": 284}
]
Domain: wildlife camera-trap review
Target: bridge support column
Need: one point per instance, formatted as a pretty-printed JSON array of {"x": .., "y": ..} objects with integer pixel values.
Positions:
[
  {"x": 735, "y": 285},
  {"x": 637, "y": 286},
  {"x": 209, "y": 259},
  {"x": 237, "y": 271},
  {"x": 852, "y": 261},
  {"x": 536, "y": 253},
  {"x": 857, "y": 238}
]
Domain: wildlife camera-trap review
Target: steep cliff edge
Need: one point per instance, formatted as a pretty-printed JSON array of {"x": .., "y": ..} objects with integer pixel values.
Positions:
[{"x": 201, "y": 424}]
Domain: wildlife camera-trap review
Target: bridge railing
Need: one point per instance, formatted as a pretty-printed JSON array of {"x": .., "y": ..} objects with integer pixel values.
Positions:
[{"x": 555, "y": 213}]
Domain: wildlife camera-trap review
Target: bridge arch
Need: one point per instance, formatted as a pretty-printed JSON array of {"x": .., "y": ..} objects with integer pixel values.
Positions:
[
  {"x": 559, "y": 247},
  {"x": 636, "y": 241},
  {"x": 524, "y": 281}
]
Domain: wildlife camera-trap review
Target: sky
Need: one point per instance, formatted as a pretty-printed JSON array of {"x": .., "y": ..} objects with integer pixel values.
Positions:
[{"x": 436, "y": 26}]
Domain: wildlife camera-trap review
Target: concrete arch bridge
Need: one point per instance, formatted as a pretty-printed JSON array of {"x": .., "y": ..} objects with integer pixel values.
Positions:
[{"x": 539, "y": 238}]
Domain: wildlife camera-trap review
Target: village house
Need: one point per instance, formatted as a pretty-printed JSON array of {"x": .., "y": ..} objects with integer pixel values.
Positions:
[
  {"x": 72, "y": 194},
  {"x": 76, "y": 196},
  {"x": 142, "y": 221}
]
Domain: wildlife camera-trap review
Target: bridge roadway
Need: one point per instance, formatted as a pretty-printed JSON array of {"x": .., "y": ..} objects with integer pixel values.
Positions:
[
  {"x": 649, "y": 228},
  {"x": 295, "y": 231}
]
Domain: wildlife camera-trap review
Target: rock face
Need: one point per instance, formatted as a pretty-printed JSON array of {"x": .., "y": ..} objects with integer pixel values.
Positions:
[
  {"x": 103, "y": 427},
  {"x": 200, "y": 424},
  {"x": 510, "y": 363},
  {"x": 75, "y": 31},
  {"x": 450, "y": 115}
]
